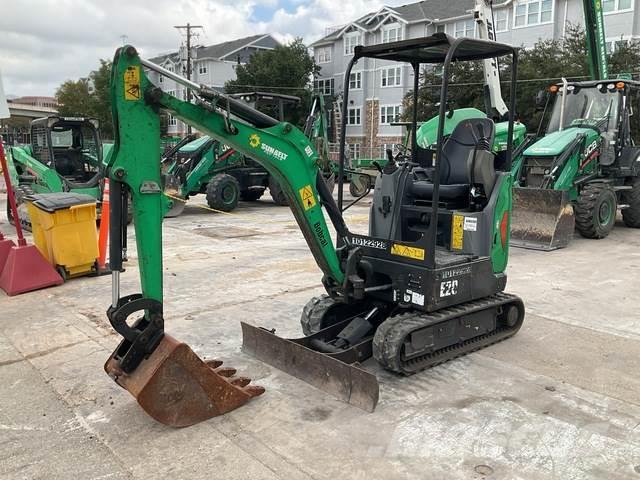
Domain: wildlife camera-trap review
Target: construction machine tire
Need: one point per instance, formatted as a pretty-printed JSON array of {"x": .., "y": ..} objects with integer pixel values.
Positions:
[
  {"x": 596, "y": 211},
  {"x": 251, "y": 195},
  {"x": 631, "y": 214},
  {"x": 359, "y": 185},
  {"x": 223, "y": 192},
  {"x": 323, "y": 312},
  {"x": 277, "y": 193}
]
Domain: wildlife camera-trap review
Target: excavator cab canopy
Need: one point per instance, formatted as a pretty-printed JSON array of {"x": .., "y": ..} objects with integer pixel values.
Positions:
[{"x": 437, "y": 49}]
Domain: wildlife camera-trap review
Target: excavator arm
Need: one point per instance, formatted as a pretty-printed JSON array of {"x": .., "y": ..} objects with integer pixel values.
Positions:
[
  {"x": 596, "y": 39},
  {"x": 134, "y": 168}
]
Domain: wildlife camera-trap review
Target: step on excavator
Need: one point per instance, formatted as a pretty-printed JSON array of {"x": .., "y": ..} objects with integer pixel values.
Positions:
[{"x": 424, "y": 286}]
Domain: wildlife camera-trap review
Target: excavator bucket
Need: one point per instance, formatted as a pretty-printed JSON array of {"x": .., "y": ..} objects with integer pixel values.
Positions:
[
  {"x": 334, "y": 373},
  {"x": 172, "y": 190},
  {"x": 178, "y": 389},
  {"x": 541, "y": 219}
]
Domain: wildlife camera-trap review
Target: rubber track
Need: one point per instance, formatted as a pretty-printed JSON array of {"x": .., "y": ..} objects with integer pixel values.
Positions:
[{"x": 389, "y": 338}]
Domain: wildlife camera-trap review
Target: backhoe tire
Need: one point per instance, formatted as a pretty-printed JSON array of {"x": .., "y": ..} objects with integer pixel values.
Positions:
[
  {"x": 359, "y": 185},
  {"x": 596, "y": 210},
  {"x": 223, "y": 192},
  {"x": 251, "y": 195},
  {"x": 316, "y": 314},
  {"x": 631, "y": 214},
  {"x": 277, "y": 194}
]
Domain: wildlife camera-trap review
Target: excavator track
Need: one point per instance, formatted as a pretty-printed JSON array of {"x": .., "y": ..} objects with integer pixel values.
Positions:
[{"x": 438, "y": 337}]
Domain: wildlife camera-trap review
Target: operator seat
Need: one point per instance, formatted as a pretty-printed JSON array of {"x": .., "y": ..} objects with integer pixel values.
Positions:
[{"x": 456, "y": 170}]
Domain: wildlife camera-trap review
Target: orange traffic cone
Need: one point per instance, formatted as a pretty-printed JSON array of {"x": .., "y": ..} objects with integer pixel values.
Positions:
[{"x": 103, "y": 238}]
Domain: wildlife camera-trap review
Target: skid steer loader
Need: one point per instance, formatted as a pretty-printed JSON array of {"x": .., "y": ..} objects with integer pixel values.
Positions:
[{"x": 426, "y": 285}]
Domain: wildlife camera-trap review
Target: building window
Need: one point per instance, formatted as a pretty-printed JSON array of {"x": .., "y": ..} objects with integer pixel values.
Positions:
[
  {"x": 355, "y": 150},
  {"x": 391, "y": 77},
  {"x": 202, "y": 68},
  {"x": 353, "y": 116},
  {"x": 391, "y": 33},
  {"x": 350, "y": 42},
  {"x": 441, "y": 28},
  {"x": 323, "y": 54},
  {"x": 355, "y": 81},
  {"x": 616, "y": 5},
  {"x": 324, "y": 86},
  {"x": 500, "y": 18},
  {"x": 614, "y": 44},
  {"x": 533, "y": 12},
  {"x": 171, "y": 92},
  {"x": 170, "y": 68},
  {"x": 389, "y": 114},
  {"x": 465, "y": 28},
  {"x": 172, "y": 121},
  {"x": 160, "y": 78}
]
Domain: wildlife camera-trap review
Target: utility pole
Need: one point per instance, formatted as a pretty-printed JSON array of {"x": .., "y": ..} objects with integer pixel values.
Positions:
[{"x": 188, "y": 27}]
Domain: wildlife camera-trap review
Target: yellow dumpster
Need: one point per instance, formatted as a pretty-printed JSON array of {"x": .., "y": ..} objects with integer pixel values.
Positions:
[{"x": 64, "y": 231}]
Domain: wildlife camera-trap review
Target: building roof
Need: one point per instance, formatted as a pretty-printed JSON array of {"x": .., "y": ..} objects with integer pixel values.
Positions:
[
  {"x": 438, "y": 11},
  {"x": 218, "y": 51}
]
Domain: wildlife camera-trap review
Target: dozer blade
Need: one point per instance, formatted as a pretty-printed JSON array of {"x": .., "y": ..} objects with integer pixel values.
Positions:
[
  {"x": 331, "y": 373},
  {"x": 172, "y": 190},
  {"x": 177, "y": 388},
  {"x": 541, "y": 219}
]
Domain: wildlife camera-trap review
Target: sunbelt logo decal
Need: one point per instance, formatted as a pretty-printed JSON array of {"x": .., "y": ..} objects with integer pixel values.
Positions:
[{"x": 255, "y": 142}]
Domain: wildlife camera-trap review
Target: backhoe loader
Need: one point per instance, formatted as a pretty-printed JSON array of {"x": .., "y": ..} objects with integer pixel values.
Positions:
[
  {"x": 426, "y": 284},
  {"x": 584, "y": 165}
]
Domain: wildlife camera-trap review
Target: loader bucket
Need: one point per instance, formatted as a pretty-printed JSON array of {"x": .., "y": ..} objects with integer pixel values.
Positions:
[
  {"x": 331, "y": 373},
  {"x": 178, "y": 389},
  {"x": 541, "y": 219},
  {"x": 172, "y": 190}
]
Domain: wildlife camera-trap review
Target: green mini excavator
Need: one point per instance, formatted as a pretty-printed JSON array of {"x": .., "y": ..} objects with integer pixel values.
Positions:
[{"x": 424, "y": 286}]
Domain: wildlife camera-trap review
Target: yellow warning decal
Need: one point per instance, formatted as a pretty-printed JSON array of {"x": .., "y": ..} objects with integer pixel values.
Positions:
[
  {"x": 409, "y": 252},
  {"x": 307, "y": 196},
  {"x": 132, "y": 83},
  {"x": 457, "y": 232}
]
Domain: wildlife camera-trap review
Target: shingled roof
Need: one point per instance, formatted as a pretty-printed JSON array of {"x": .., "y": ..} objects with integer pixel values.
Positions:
[
  {"x": 425, "y": 11},
  {"x": 218, "y": 51}
]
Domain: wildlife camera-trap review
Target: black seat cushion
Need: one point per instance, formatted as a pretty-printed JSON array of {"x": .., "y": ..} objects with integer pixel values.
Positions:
[
  {"x": 454, "y": 170},
  {"x": 424, "y": 190}
]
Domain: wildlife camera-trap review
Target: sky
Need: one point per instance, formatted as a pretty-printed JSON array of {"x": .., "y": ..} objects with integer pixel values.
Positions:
[{"x": 45, "y": 42}]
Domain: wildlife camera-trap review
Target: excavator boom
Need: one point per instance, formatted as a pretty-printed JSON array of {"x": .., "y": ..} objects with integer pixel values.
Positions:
[{"x": 170, "y": 382}]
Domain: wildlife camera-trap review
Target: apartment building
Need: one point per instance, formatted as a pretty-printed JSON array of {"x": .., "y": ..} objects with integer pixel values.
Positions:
[
  {"x": 377, "y": 87},
  {"x": 213, "y": 65}
]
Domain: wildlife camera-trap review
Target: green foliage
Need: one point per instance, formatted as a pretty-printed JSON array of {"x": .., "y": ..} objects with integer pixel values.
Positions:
[
  {"x": 89, "y": 97},
  {"x": 286, "y": 70},
  {"x": 538, "y": 68}
]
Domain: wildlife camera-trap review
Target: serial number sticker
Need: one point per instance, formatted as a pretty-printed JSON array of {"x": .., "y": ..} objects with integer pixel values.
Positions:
[
  {"x": 470, "y": 224},
  {"x": 369, "y": 242},
  {"x": 409, "y": 252},
  {"x": 132, "y": 83},
  {"x": 308, "y": 199},
  {"x": 457, "y": 232}
]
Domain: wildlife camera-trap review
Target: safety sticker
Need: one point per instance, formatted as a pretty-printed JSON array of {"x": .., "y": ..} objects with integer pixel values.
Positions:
[
  {"x": 457, "y": 232},
  {"x": 132, "y": 83},
  {"x": 470, "y": 224},
  {"x": 409, "y": 252},
  {"x": 307, "y": 196}
]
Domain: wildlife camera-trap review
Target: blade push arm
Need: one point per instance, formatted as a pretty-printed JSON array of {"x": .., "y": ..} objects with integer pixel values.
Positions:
[{"x": 282, "y": 149}]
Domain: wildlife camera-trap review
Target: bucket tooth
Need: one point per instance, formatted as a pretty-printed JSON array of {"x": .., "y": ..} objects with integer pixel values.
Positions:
[
  {"x": 175, "y": 387},
  {"x": 240, "y": 381},
  {"x": 214, "y": 363},
  {"x": 227, "y": 372},
  {"x": 541, "y": 219}
]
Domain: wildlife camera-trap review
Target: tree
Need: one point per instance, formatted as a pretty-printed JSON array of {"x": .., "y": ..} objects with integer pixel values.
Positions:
[
  {"x": 286, "y": 69},
  {"x": 89, "y": 97}
]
